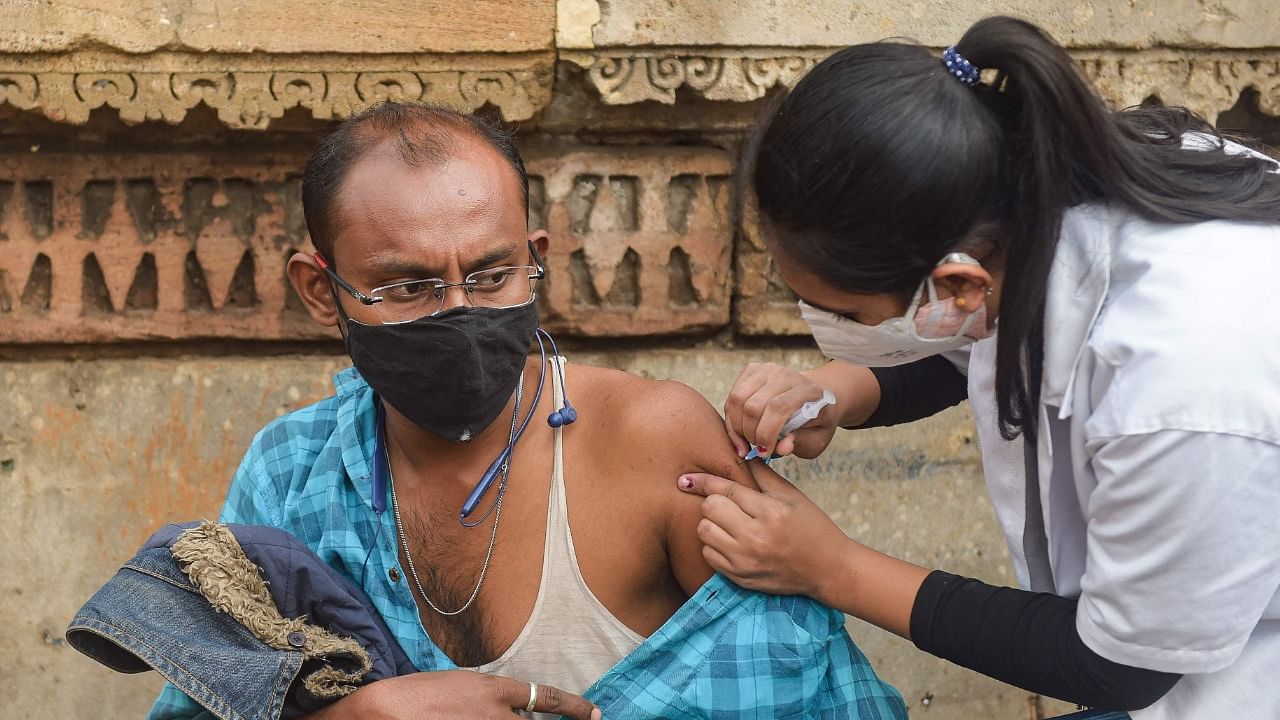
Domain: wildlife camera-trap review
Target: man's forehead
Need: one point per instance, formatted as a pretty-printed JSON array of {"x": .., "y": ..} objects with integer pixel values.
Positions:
[
  {"x": 468, "y": 194},
  {"x": 470, "y": 176}
]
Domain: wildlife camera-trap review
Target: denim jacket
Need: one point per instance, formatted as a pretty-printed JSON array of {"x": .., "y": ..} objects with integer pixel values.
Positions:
[{"x": 246, "y": 620}]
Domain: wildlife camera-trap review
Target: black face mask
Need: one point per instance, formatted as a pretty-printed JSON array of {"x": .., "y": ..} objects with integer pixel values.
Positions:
[{"x": 450, "y": 374}]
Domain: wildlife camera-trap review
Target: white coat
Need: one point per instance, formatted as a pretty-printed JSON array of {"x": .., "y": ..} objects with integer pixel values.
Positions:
[{"x": 1157, "y": 482}]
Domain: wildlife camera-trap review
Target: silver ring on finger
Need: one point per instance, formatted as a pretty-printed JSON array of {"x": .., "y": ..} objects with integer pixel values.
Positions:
[{"x": 533, "y": 697}]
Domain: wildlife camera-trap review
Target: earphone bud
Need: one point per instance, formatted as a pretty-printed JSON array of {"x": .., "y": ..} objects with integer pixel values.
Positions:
[
  {"x": 566, "y": 415},
  {"x": 560, "y": 418}
]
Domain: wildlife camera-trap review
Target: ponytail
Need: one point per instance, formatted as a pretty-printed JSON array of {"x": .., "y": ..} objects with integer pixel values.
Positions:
[{"x": 880, "y": 162}]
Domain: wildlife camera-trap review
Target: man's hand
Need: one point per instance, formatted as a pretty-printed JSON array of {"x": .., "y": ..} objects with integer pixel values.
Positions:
[{"x": 453, "y": 694}]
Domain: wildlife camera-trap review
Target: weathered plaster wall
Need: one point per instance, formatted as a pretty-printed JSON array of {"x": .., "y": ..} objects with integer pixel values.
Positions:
[
  {"x": 149, "y": 154},
  {"x": 279, "y": 26},
  {"x": 1091, "y": 23}
]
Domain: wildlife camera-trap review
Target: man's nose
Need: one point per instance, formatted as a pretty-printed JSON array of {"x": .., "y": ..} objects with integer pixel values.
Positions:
[{"x": 454, "y": 296}]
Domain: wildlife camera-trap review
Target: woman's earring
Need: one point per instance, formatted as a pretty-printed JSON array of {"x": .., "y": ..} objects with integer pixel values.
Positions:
[{"x": 960, "y": 301}]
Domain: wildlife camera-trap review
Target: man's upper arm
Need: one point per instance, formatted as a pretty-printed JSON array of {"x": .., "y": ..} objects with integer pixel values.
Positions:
[
  {"x": 679, "y": 423},
  {"x": 252, "y": 498}
]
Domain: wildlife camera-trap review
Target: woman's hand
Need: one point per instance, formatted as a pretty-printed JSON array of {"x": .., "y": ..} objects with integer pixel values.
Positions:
[
  {"x": 776, "y": 540},
  {"x": 453, "y": 694},
  {"x": 763, "y": 398},
  {"x": 766, "y": 395}
]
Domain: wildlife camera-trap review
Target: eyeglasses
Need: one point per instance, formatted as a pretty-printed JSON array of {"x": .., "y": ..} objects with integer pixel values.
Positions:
[{"x": 508, "y": 286}]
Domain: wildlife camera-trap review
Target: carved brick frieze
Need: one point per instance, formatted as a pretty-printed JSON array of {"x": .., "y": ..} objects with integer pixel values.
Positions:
[
  {"x": 100, "y": 248},
  {"x": 251, "y": 95},
  {"x": 107, "y": 248},
  {"x": 640, "y": 239}
]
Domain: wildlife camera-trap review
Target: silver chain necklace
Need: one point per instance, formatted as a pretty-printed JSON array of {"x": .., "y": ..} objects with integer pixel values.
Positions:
[{"x": 497, "y": 516}]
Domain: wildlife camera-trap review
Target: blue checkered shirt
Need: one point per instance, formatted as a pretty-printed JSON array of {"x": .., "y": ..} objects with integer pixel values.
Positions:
[{"x": 727, "y": 653}]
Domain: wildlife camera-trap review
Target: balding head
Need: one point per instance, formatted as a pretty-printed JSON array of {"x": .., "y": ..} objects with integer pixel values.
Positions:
[{"x": 420, "y": 134}]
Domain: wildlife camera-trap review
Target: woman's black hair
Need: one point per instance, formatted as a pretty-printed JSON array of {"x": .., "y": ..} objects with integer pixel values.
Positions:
[
  {"x": 880, "y": 162},
  {"x": 422, "y": 133}
]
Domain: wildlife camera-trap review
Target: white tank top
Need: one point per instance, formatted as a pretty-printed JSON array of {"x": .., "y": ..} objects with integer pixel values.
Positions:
[{"x": 571, "y": 638}]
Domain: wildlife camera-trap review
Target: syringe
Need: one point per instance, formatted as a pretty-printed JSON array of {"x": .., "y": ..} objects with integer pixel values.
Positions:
[{"x": 806, "y": 413}]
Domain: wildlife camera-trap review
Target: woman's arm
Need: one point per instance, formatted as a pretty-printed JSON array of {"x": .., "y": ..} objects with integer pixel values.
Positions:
[
  {"x": 1026, "y": 639},
  {"x": 914, "y": 391},
  {"x": 778, "y": 541}
]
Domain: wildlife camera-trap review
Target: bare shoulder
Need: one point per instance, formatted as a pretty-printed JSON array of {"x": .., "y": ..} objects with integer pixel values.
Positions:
[
  {"x": 656, "y": 418},
  {"x": 646, "y": 434}
]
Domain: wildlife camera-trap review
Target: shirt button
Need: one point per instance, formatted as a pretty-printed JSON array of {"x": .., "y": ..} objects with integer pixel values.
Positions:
[
  {"x": 297, "y": 639},
  {"x": 394, "y": 574}
]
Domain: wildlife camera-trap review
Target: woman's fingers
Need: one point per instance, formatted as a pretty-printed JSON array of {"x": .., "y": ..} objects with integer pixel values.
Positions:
[
  {"x": 764, "y": 397},
  {"x": 785, "y": 400},
  {"x": 740, "y": 444},
  {"x": 750, "y": 380},
  {"x": 715, "y": 537},
  {"x": 718, "y": 562},
  {"x": 771, "y": 484},
  {"x": 748, "y": 501},
  {"x": 786, "y": 445},
  {"x": 769, "y": 410}
]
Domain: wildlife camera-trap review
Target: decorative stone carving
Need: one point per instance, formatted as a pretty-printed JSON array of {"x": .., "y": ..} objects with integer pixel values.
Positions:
[
  {"x": 253, "y": 96},
  {"x": 110, "y": 248},
  {"x": 627, "y": 77},
  {"x": 1208, "y": 83},
  {"x": 18, "y": 90}
]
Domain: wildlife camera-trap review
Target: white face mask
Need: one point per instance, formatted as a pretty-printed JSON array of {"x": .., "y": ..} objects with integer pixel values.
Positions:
[{"x": 928, "y": 328}]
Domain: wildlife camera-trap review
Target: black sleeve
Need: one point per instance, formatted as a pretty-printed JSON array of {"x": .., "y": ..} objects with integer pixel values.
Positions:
[
  {"x": 917, "y": 390},
  {"x": 1028, "y": 640}
]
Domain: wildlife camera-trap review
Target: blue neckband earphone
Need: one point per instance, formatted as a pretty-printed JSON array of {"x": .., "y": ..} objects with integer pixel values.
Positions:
[{"x": 565, "y": 415}]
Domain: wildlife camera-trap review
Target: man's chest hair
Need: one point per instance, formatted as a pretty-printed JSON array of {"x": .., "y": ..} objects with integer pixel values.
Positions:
[{"x": 448, "y": 562}]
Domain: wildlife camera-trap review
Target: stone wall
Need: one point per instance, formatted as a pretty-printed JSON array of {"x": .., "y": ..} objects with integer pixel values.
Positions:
[{"x": 149, "y": 160}]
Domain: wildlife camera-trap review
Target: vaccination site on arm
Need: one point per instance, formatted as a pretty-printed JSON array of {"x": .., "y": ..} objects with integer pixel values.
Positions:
[{"x": 623, "y": 361}]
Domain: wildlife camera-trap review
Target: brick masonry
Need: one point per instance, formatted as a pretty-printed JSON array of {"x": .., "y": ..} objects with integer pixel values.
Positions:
[
  {"x": 110, "y": 248},
  {"x": 764, "y": 305},
  {"x": 102, "y": 248},
  {"x": 641, "y": 239}
]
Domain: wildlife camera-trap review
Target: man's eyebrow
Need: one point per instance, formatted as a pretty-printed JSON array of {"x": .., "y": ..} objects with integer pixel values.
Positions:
[
  {"x": 490, "y": 258},
  {"x": 399, "y": 266},
  {"x": 408, "y": 268}
]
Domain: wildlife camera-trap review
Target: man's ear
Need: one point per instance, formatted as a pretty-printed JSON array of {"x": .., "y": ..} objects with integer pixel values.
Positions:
[
  {"x": 312, "y": 285},
  {"x": 541, "y": 242}
]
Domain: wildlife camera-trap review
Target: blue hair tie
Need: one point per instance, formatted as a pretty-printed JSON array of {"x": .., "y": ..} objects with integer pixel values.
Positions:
[{"x": 964, "y": 70}]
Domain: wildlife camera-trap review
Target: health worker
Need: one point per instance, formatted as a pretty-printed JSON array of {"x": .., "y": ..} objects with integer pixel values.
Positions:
[{"x": 1103, "y": 288}]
